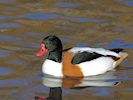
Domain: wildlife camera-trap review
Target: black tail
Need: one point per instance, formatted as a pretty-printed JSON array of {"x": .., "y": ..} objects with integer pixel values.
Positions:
[{"x": 117, "y": 50}]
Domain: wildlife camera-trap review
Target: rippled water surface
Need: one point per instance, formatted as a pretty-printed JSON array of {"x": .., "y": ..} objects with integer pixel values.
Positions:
[{"x": 94, "y": 23}]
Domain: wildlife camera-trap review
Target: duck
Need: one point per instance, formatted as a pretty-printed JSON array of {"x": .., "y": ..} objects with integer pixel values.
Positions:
[{"x": 77, "y": 61}]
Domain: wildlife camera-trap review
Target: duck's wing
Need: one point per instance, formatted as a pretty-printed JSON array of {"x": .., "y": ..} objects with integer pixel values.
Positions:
[
  {"x": 88, "y": 54},
  {"x": 85, "y": 56},
  {"x": 112, "y": 52}
]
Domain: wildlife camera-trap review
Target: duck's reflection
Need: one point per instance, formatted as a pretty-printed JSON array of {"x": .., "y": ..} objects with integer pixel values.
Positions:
[
  {"x": 99, "y": 80},
  {"x": 56, "y": 84},
  {"x": 55, "y": 94}
]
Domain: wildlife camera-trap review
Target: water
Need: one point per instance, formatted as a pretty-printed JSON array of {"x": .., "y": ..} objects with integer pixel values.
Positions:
[{"x": 101, "y": 23}]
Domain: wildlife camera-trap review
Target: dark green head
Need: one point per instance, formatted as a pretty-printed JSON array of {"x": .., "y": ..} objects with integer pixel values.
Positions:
[
  {"x": 53, "y": 46},
  {"x": 52, "y": 43}
]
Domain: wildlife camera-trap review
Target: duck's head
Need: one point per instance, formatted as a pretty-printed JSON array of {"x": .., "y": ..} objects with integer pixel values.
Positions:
[{"x": 52, "y": 45}]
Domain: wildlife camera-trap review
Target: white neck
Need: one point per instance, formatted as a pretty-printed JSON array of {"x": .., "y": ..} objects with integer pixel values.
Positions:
[{"x": 52, "y": 68}]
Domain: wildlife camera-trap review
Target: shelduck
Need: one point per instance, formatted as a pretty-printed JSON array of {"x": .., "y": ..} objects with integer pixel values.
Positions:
[{"x": 77, "y": 61}]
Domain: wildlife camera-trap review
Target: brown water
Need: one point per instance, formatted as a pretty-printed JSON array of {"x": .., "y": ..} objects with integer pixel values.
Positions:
[{"x": 94, "y": 23}]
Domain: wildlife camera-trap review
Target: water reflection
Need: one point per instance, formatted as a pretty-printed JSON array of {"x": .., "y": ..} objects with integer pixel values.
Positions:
[
  {"x": 57, "y": 84},
  {"x": 127, "y": 2},
  {"x": 3, "y": 17},
  {"x": 5, "y": 71},
  {"x": 55, "y": 93},
  {"x": 11, "y": 82},
  {"x": 39, "y": 16},
  {"x": 81, "y": 20},
  {"x": 65, "y": 4},
  {"x": 10, "y": 8},
  {"x": 4, "y": 53},
  {"x": 7, "y": 1},
  {"x": 10, "y": 25},
  {"x": 6, "y": 17},
  {"x": 119, "y": 44}
]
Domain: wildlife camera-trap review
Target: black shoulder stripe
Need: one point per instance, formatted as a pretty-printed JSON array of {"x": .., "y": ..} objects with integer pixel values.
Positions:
[
  {"x": 117, "y": 50},
  {"x": 85, "y": 56}
]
